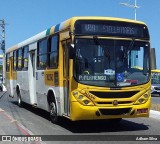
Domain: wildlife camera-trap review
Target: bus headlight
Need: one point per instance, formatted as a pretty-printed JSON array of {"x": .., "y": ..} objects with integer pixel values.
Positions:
[
  {"x": 75, "y": 93},
  {"x": 81, "y": 98},
  {"x": 143, "y": 99},
  {"x": 86, "y": 102}
]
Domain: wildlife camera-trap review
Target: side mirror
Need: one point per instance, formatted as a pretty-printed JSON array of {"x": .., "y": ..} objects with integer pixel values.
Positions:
[{"x": 71, "y": 51}]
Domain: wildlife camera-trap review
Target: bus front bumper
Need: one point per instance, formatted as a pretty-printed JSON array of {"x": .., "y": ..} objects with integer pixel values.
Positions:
[{"x": 81, "y": 112}]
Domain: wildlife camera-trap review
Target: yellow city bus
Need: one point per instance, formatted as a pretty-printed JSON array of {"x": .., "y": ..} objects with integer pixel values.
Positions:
[
  {"x": 155, "y": 88},
  {"x": 82, "y": 69}
]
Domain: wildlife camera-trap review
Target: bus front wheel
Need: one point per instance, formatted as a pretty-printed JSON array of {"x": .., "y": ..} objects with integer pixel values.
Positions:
[{"x": 53, "y": 112}]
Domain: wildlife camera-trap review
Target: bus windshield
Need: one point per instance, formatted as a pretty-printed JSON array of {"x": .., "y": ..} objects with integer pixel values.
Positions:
[{"x": 111, "y": 63}]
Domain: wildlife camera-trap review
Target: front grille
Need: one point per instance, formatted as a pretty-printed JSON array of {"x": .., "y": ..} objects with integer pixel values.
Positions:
[
  {"x": 122, "y": 111},
  {"x": 119, "y": 102},
  {"x": 104, "y": 102},
  {"x": 114, "y": 94}
]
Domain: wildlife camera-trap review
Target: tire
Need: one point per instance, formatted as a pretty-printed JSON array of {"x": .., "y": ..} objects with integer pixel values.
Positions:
[
  {"x": 53, "y": 112},
  {"x": 19, "y": 99}
]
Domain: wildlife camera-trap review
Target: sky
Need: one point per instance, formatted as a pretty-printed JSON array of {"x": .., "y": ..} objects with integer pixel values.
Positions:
[{"x": 25, "y": 18}]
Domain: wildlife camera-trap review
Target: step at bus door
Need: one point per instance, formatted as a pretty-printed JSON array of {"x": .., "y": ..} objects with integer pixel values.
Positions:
[
  {"x": 32, "y": 75},
  {"x": 66, "y": 83}
]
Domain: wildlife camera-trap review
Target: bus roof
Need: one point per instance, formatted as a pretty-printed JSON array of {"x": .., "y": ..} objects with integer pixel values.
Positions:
[{"x": 64, "y": 25}]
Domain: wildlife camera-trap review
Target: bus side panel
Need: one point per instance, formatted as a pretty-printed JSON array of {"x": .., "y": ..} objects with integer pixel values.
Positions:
[
  {"x": 23, "y": 79},
  {"x": 32, "y": 74},
  {"x": 9, "y": 78},
  {"x": 19, "y": 82},
  {"x": 9, "y": 84},
  {"x": 14, "y": 78},
  {"x": 41, "y": 90},
  {"x": 44, "y": 84},
  {"x": 52, "y": 81}
]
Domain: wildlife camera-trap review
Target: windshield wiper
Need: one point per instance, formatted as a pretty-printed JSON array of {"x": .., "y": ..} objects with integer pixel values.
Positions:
[
  {"x": 97, "y": 41},
  {"x": 131, "y": 45}
]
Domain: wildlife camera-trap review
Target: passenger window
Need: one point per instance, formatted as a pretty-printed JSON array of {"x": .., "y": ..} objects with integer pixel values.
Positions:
[
  {"x": 42, "y": 54},
  {"x": 15, "y": 60},
  {"x": 19, "y": 59},
  {"x": 53, "y": 52},
  {"x": 25, "y": 58},
  {"x": 7, "y": 62}
]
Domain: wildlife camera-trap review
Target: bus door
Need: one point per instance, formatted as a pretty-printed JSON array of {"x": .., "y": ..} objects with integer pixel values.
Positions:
[
  {"x": 32, "y": 74},
  {"x": 66, "y": 65},
  {"x": 9, "y": 73},
  {"x": 11, "y": 76}
]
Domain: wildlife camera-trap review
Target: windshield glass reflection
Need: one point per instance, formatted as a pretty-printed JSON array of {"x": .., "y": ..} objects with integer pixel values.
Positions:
[{"x": 111, "y": 63}]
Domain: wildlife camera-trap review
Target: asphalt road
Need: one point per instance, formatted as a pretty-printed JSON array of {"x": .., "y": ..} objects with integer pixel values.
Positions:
[
  {"x": 156, "y": 99},
  {"x": 38, "y": 123}
]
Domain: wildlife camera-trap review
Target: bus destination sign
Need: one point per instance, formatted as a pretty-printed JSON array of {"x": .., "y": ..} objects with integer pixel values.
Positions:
[{"x": 111, "y": 28}]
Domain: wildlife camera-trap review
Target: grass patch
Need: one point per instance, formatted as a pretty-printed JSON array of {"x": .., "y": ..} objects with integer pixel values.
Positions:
[{"x": 155, "y": 107}]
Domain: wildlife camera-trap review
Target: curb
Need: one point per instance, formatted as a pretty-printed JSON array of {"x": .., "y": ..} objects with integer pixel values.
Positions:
[
  {"x": 15, "y": 123},
  {"x": 154, "y": 114}
]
